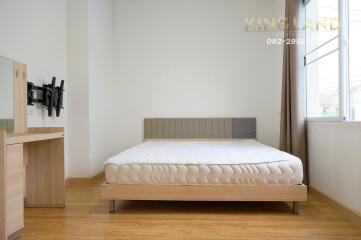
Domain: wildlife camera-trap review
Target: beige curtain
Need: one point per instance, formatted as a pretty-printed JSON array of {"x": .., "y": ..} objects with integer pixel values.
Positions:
[{"x": 293, "y": 129}]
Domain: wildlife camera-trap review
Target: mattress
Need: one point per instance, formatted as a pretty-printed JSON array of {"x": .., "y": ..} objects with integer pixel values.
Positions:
[{"x": 203, "y": 162}]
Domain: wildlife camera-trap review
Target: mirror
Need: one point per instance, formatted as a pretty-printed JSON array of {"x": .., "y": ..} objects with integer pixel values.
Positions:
[{"x": 6, "y": 93}]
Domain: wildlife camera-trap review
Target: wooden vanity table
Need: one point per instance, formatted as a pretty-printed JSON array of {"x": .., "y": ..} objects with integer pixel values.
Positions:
[{"x": 31, "y": 164}]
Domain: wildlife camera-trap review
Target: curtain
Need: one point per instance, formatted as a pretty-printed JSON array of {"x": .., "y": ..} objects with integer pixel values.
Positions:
[{"x": 293, "y": 127}]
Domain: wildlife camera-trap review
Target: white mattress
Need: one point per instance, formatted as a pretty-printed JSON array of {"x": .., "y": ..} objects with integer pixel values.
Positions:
[{"x": 203, "y": 162}]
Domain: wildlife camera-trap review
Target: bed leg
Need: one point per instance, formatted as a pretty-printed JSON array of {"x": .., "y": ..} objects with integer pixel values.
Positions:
[
  {"x": 295, "y": 207},
  {"x": 112, "y": 206}
]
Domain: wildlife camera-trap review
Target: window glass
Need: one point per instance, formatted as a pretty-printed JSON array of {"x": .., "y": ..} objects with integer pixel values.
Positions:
[
  {"x": 323, "y": 87},
  {"x": 355, "y": 59},
  {"x": 322, "y": 65},
  {"x": 329, "y": 47},
  {"x": 321, "y": 22}
]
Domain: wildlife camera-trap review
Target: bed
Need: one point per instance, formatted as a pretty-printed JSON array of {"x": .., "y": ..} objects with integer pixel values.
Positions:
[{"x": 197, "y": 159}]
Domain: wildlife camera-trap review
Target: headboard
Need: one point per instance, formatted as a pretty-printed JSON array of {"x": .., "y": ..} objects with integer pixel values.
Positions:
[{"x": 199, "y": 128}]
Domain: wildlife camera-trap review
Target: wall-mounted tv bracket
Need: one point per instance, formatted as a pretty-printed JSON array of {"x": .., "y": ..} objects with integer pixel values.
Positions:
[{"x": 48, "y": 95}]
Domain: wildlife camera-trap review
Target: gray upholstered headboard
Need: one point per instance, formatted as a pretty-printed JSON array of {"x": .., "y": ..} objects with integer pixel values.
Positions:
[{"x": 199, "y": 128}]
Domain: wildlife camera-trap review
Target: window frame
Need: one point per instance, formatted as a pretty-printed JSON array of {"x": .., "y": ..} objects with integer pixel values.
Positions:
[{"x": 344, "y": 81}]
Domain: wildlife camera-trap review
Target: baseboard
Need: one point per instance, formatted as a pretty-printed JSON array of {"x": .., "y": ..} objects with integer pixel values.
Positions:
[
  {"x": 351, "y": 214},
  {"x": 96, "y": 177},
  {"x": 77, "y": 180},
  {"x": 15, "y": 235}
]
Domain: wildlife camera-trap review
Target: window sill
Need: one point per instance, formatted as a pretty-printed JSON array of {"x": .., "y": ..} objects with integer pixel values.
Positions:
[
  {"x": 323, "y": 119},
  {"x": 333, "y": 123}
]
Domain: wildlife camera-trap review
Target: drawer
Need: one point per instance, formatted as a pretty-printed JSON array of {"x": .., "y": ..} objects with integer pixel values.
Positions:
[
  {"x": 15, "y": 214},
  {"x": 15, "y": 188},
  {"x": 15, "y": 161}
]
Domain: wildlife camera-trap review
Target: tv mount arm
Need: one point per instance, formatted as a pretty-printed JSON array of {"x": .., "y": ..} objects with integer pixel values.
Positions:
[{"x": 50, "y": 96}]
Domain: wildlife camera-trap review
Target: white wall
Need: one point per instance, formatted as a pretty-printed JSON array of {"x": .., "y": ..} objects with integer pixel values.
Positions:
[
  {"x": 101, "y": 94},
  {"x": 169, "y": 59},
  {"x": 194, "y": 59},
  {"x": 34, "y": 32},
  {"x": 91, "y": 86},
  {"x": 78, "y": 109},
  {"x": 335, "y": 161}
]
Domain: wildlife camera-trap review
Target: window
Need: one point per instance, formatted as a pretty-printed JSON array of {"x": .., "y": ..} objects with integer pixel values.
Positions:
[{"x": 333, "y": 59}]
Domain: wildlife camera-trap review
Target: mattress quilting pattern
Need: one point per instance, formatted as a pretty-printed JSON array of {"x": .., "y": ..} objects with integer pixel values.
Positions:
[{"x": 283, "y": 172}]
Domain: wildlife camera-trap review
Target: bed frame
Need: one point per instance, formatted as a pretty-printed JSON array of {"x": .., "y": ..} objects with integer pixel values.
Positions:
[{"x": 210, "y": 129}]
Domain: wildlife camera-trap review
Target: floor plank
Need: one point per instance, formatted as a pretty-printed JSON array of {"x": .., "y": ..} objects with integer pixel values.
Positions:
[{"x": 86, "y": 217}]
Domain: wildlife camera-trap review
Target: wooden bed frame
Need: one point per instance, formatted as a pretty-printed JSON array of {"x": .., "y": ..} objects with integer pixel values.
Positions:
[{"x": 210, "y": 129}]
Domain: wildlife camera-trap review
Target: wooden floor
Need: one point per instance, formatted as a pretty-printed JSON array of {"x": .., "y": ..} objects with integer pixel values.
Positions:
[{"x": 86, "y": 217}]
